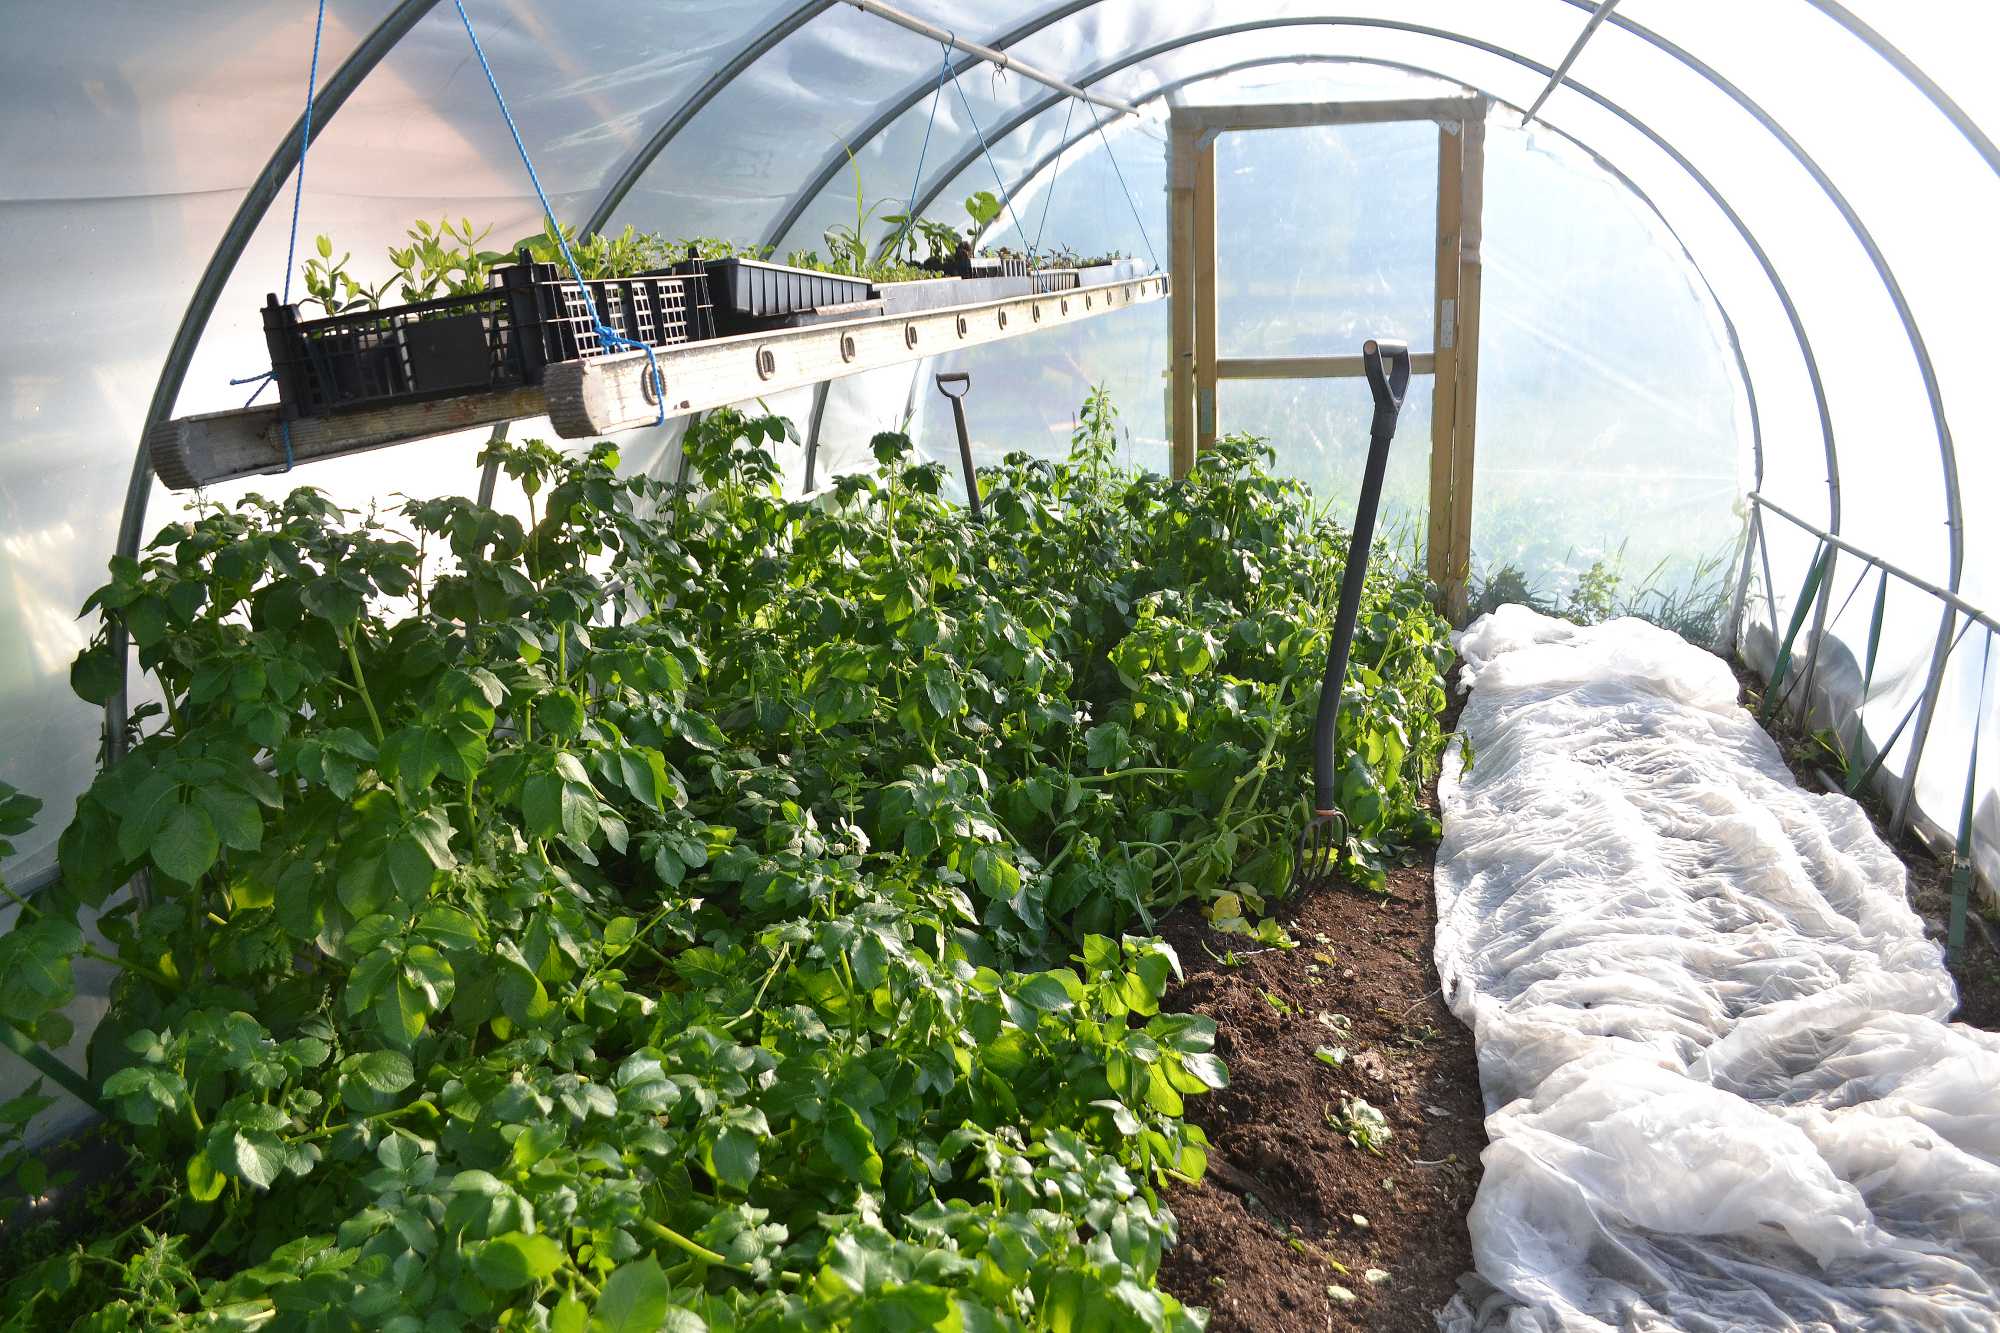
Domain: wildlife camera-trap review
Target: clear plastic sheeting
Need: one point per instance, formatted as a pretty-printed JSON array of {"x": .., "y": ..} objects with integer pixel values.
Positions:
[
  {"x": 1611, "y": 427},
  {"x": 1325, "y": 236},
  {"x": 1720, "y": 1090},
  {"x": 1614, "y": 415}
]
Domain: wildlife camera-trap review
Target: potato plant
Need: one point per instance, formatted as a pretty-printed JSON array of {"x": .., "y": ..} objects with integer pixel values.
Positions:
[{"x": 690, "y": 908}]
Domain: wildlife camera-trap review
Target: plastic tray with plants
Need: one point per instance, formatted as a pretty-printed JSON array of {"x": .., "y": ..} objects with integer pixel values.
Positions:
[{"x": 468, "y": 319}]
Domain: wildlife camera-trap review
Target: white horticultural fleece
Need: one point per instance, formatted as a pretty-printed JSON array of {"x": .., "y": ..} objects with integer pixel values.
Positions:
[{"x": 1719, "y": 1088}]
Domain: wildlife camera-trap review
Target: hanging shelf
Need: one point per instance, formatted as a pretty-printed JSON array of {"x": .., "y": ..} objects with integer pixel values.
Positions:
[{"x": 586, "y": 399}]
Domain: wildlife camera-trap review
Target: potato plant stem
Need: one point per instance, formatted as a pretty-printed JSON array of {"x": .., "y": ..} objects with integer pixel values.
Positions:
[
  {"x": 361, "y": 684},
  {"x": 138, "y": 969},
  {"x": 680, "y": 1242}
]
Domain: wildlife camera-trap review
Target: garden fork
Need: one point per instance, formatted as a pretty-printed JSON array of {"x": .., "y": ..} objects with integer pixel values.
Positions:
[{"x": 1388, "y": 368}]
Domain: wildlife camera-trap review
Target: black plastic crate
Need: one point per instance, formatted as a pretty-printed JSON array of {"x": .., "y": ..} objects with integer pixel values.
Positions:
[
  {"x": 962, "y": 263},
  {"x": 406, "y": 353},
  {"x": 531, "y": 317},
  {"x": 996, "y": 266},
  {"x": 660, "y": 309},
  {"x": 749, "y": 293}
]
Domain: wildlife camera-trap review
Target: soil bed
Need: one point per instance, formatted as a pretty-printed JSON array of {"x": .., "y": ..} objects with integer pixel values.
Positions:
[
  {"x": 1290, "y": 1208},
  {"x": 1270, "y": 1229}
]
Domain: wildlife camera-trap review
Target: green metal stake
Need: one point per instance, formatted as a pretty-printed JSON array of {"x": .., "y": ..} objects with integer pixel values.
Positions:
[
  {"x": 1799, "y": 610},
  {"x": 1854, "y": 775},
  {"x": 1961, "y": 861}
]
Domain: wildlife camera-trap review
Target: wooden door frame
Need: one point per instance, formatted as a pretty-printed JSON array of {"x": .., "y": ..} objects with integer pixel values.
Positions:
[{"x": 1453, "y": 360}]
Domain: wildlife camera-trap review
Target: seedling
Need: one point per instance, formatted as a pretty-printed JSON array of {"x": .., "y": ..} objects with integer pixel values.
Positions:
[{"x": 1364, "y": 1126}]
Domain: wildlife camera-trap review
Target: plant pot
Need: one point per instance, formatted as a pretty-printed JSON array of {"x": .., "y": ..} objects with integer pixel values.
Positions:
[
  {"x": 407, "y": 353},
  {"x": 961, "y": 263},
  {"x": 448, "y": 354},
  {"x": 659, "y": 308}
]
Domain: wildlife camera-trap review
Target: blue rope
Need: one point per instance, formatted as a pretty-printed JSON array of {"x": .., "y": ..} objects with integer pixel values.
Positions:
[
  {"x": 1153, "y": 254},
  {"x": 262, "y": 382},
  {"x": 305, "y": 145},
  {"x": 605, "y": 335},
  {"x": 910, "y": 209},
  {"x": 1004, "y": 197},
  {"x": 292, "y": 240},
  {"x": 1050, "y": 196}
]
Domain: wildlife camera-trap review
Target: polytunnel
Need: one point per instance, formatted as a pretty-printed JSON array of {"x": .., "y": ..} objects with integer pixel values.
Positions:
[{"x": 1689, "y": 291}]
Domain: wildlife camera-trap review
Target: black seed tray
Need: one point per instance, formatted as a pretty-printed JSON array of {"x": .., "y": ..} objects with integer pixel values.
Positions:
[
  {"x": 503, "y": 337},
  {"x": 748, "y": 292},
  {"x": 659, "y": 309},
  {"x": 963, "y": 265}
]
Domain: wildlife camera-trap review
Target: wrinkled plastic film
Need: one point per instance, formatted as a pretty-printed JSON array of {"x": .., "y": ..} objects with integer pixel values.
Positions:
[{"x": 1721, "y": 1092}]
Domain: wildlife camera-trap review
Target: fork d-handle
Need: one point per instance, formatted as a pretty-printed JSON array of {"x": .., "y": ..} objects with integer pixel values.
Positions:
[
  {"x": 1387, "y": 365},
  {"x": 963, "y": 383}
]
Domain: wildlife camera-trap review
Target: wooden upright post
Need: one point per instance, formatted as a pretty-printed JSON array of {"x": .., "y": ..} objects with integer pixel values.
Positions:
[
  {"x": 1180, "y": 342},
  {"x": 1196, "y": 364},
  {"x": 1444, "y": 385},
  {"x": 1455, "y": 390},
  {"x": 1205, "y": 293},
  {"x": 1472, "y": 198}
]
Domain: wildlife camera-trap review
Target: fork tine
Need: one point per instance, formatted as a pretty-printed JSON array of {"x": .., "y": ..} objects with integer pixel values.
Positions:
[{"x": 1318, "y": 850}]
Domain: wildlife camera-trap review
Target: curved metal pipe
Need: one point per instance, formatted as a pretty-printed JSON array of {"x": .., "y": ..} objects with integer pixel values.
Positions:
[
  {"x": 968, "y": 159},
  {"x": 408, "y": 12},
  {"x": 1735, "y": 342},
  {"x": 242, "y": 226},
  {"x": 1948, "y": 453},
  {"x": 902, "y": 102},
  {"x": 1909, "y": 69},
  {"x": 711, "y": 87}
]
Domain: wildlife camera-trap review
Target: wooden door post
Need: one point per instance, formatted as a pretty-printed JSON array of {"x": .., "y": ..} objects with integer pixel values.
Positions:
[
  {"x": 1180, "y": 342},
  {"x": 1205, "y": 293},
  {"x": 1439, "y": 563}
]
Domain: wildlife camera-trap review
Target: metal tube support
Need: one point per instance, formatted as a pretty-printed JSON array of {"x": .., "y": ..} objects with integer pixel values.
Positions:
[
  {"x": 1590, "y": 26},
  {"x": 1182, "y": 391},
  {"x": 963, "y": 383},
  {"x": 489, "y": 473},
  {"x": 1940, "y": 651},
  {"x": 1933, "y": 687},
  {"x": 1000, "y": 58},
  {"x": 711, "y": 88},
  {"x": 1944, "y": 595},
  {"x": 332, "y": 94},
  {"x": 837, "y": 161},
  {"x": 1948, "y": 456},
  {"x": 812, "y": 431},
  {"x": 1818, "y": 633}
]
